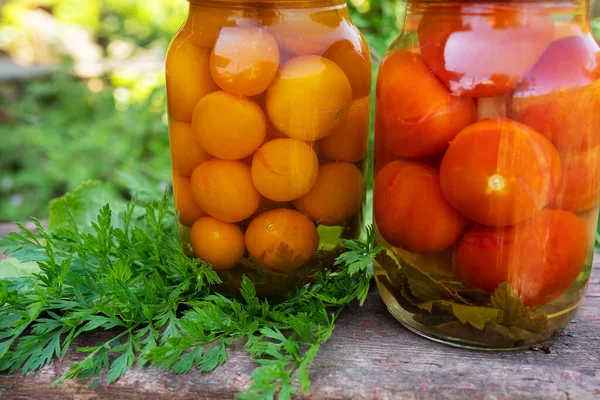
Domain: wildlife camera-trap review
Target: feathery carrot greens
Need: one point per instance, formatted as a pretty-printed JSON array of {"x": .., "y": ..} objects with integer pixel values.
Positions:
[{"x": 124, "y": 271}]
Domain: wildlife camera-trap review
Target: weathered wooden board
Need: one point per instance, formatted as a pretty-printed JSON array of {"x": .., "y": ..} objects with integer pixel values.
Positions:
[{"x": 370, "y": 356}]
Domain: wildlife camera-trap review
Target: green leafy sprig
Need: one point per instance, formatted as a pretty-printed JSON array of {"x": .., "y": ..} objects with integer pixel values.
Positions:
[{"x": 127, "y": 274}]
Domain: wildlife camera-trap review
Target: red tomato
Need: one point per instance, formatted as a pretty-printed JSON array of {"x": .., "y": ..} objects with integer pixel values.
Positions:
[
  {"x": 416, "y": 115},
  {"x": 568, "y": 62},
  {"x": 382, "y": 156},
  {"x": 411, "y": 211},
  {"x": 579, "y": 186},
  {"x": 483, "y": 51},
  {"x": 498, "y": 172},
  {"x": 540, "y": 258},
  {"x": 560, "y": 97}
]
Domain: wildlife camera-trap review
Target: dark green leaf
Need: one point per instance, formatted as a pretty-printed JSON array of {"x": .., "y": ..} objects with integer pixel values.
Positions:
[
  {"x": 476, "y": 316},
  {"x": 213, "y": 357},
  {"x": 360, "y": 255},
  {"x": 421, "y": 285},
  {"x": 185, "y": 362},
  {"x": 302, "y": 373},
  {"x": 121, "y": 363},
  {"x": 516, "y": 314}
]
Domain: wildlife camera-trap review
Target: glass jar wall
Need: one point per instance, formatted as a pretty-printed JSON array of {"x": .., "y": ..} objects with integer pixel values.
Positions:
[
  {"x": 268, "y": 108},
  {"x": 487, "y": 152}
]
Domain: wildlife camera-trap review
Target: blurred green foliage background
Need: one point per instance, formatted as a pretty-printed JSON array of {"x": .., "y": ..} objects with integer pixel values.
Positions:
[{"x": 101, "y": 113}]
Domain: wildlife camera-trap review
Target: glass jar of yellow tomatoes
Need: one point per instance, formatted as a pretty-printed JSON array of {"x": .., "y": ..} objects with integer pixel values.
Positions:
[
  {"x": 487, "y": 152},
  {"x": 268, "y": 107}
]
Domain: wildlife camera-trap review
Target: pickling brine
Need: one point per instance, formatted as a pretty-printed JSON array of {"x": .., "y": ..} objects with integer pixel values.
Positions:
[
  {"x": 268, "y": 107},
  {"x": 487, "y": 169}
]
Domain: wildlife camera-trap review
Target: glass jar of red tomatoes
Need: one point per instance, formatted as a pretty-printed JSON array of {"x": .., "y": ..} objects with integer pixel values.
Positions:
[
  {"x": 268, "y": 106},
  {"x": 487, "y": 152}
]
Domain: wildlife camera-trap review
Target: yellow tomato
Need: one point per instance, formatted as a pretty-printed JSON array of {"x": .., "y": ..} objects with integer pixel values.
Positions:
[
  {"x": 185, "y": 205},
  {"x": 188, "y": 78},
  {"x": 284, "y": 169},
  {"x": 353, "y": 57},
  {"x": 218, "y": 243},
  {"x": 228, "y": 126},
  {"x": 336, "y": 196},
  {"x": 186, "y": 154},
  {"x": 349, "y": 141},
  {"x": 305, "y": 31},
  {"x": 282, "y": 239},
  {"x": 309, "y": 98},
  {"x": 244, "y": 60},
  {"x": 205, "y": 22},
  {"x": 224, "y": 190}
]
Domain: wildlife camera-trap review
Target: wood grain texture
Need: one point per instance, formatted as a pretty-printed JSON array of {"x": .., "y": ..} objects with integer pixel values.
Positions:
[{"x": 370, "y": 356}]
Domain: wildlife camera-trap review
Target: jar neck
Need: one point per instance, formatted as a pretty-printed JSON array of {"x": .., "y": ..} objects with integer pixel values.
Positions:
[
  {"x": 566, "y": 10},
  {"x": 564, "y": 6}
]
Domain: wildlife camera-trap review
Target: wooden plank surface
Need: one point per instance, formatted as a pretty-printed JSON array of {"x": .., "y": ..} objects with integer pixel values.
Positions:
[{"x": 370, "y": 356}]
